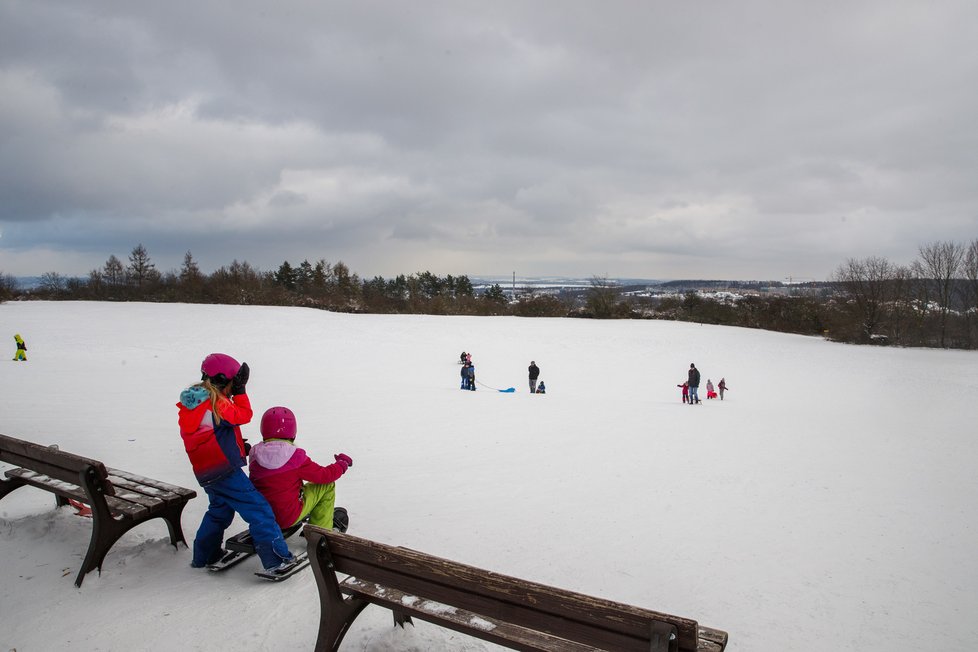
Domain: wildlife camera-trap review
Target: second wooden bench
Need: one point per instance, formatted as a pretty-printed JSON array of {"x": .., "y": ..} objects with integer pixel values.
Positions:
[{"x": 505, "y": 610}]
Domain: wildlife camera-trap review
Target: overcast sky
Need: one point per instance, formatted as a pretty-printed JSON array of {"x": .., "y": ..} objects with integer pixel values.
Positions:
[{"x": 750, "y": 139}]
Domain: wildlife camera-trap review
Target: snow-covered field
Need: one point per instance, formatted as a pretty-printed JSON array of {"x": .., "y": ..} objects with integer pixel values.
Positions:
[{"x": 827, "y": 504}]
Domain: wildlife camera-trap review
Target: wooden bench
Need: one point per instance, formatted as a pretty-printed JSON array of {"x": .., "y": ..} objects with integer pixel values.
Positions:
[
  {"x": 505, "y": 610},
  {"x": 119, "y": 500}
]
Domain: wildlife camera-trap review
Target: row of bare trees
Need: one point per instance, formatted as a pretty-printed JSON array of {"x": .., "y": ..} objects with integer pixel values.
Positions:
[
  {"x": 933, "y": 301},
  {"x": 317, "y": 285}
]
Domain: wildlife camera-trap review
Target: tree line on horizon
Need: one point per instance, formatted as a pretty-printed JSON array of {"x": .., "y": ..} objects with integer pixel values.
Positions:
[{"x": 933, "y": 301}]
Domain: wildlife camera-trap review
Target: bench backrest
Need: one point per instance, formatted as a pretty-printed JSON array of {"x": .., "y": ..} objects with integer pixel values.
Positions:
[
  {"x": 54, "y": 463},
  {"x": 574, "y": 616}
]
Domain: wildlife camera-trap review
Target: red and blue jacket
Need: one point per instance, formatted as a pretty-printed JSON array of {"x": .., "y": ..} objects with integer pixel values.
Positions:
[
  {"x": 277, "y": 469},
  {"x": 213, "y": 443}
]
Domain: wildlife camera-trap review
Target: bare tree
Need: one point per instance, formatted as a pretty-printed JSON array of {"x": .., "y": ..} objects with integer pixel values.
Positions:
[
  {"x": 970, "y": 269},
  {"x": 189, "y": 271},
  {"x": 8, "y": 285},
  {"x": 904, "y": 317},
  {"x": 140, "y": 269},
  {"x": 191, "y": 280},
  {"x": 869, "y": 284},
  {"x": 941, "y": 263},
  {"x": 53, "y": 283},
  {"x": 602, "y": 297},
  {"x": 114, "y": 273}
]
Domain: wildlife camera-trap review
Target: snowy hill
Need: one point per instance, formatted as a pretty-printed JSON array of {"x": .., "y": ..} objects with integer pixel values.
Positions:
[{"x": 830, "y": 497}]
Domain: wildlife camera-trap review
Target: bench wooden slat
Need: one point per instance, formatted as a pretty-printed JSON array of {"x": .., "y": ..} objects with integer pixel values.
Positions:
[
  {"x": 712, "y": 639},
  {"x": 146, "y": 484},
  {"x": 55, "y": 464},
  {"x": 128, "y": 499},
  {"x": 460, "y": 620},
  {"x": 557, "y": 612},
  {"x": 142, "y": 494},
  {"x": 118, "y": 505},
  {"x": 32, "y": 450},
  {"x": 576, "y": 622},
  {"x": 135, "y": 498}
]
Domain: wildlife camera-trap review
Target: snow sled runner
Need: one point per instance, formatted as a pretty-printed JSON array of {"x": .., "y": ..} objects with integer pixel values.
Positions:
[
  {"x": 241, "y": 547},
  {"x": 228, "y": 559},
  {"x": 300, "y": 561}
]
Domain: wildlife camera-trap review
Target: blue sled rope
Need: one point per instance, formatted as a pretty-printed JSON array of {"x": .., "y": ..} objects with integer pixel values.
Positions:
[{"x": 508, "y": 390}]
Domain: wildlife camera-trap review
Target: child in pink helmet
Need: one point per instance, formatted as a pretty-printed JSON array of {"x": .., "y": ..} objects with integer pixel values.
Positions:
[
  {"x": 294, "y": 485},
  {"x": 211, "y": 414}
]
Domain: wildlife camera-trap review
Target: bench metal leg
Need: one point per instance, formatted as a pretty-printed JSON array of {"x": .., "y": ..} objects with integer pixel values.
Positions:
[
  {"x": 401, "y": 619},
  {"x": 172, "y": 515},
  {"x": 665, "y": 638},
  {"x": 335, "y": 621},
  {"x": 336, "y": 613},
  {"x": 6, "y": 486},
  {"x": 105, "y": 532}
]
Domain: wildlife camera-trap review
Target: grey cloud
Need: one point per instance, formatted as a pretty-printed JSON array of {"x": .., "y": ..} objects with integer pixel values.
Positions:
[{"x": 643, "y": 139}]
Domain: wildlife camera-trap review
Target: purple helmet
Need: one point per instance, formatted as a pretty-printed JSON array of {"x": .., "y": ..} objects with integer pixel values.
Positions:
[
  {"x": 278, "y": 423},
  {"x": 219, "y": 368}
]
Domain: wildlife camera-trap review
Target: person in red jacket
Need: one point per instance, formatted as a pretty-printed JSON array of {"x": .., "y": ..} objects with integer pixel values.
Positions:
[
  {"x": 296, "y": 487},
  {"x": 685, "y": 388},
  {"x": 211, "y": 414}
]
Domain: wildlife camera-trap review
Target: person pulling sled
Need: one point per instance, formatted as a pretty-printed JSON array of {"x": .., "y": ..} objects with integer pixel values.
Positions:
[
  {"x": 710, "y": 392},
  {"x": 468, "y": 376}
]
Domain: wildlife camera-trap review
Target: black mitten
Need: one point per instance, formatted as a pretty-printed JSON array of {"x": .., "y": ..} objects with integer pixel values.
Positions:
[{"x": 240, "y": 379}]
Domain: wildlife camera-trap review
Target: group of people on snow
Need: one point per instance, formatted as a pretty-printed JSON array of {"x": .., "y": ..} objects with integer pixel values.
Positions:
[
  {"x": 468, "y": 375},
  {"x": 284, "y": 485},
  {"x": 468, "y": 371},
  {"x": 691, "y": 387}
]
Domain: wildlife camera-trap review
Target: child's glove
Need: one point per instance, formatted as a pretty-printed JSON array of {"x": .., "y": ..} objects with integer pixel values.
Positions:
[
  {"x": 247, "y": 447},
  {"x": 240, "y": 380},
  {"x": 343, "y": 459}
]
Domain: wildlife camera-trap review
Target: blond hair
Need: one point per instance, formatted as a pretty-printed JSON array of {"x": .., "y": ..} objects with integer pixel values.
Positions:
[{"x": 216, "y": 394}]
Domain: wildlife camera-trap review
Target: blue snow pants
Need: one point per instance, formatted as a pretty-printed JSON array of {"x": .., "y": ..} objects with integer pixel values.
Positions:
[{"x": 236, "y": 493}]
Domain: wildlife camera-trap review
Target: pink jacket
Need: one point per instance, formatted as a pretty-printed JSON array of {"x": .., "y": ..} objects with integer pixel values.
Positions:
[{"x": 278, "y": 467}]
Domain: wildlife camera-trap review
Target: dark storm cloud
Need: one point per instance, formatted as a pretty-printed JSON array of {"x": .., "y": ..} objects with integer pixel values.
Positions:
[{"x": 755, "y": 139}]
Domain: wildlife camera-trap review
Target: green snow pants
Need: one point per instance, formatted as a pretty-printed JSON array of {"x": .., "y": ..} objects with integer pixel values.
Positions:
[{"x": 318, "y": 501}]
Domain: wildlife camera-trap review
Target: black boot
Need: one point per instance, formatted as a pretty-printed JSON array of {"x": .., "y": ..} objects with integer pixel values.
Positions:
[{"x": 341, "y": 520}]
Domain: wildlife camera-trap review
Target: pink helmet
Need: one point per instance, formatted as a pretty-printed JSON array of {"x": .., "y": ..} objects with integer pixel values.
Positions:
[
  {"x": 219, "y": 368},
  {"x": 278, "y": 423}
]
